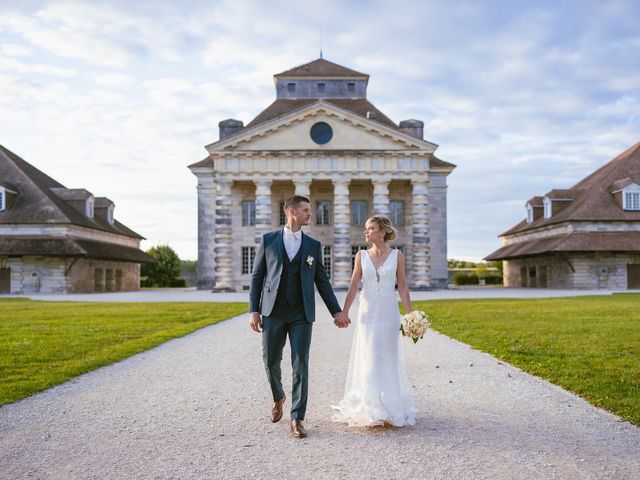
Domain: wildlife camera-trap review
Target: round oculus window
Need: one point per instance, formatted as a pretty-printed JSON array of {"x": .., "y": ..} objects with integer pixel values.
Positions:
[{"x": 321, "y": 133}]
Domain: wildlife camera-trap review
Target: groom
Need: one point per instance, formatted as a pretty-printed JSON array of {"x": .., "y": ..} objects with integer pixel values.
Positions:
[{"x": 282, "y": 302}]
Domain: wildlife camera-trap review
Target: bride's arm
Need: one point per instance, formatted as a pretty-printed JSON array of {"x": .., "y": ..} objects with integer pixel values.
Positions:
[
  {"x": 403, "y": 288},
  {"x": 353, "y": 286}
]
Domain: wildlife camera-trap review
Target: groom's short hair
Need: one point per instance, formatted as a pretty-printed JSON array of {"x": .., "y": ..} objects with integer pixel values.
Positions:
[{"x": 294, "y": 202}]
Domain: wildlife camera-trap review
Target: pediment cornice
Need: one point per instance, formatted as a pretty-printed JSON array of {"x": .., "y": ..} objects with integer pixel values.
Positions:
[{"x": 403, "y": 140}]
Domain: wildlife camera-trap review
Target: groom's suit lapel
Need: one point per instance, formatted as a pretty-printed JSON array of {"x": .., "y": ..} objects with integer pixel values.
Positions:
[
  {"x": 304, "y": 247},
  {"x": 280, "y": 243}
]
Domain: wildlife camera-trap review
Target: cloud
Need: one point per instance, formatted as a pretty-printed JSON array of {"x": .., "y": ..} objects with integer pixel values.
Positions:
[{"x": 119, "y": 96}]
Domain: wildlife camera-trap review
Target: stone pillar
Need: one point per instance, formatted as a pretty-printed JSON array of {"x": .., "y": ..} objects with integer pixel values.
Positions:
[
  {"x": 380, "y": 196},
  {"x": 206, "y": 231},
  {"x": 341, "y": 236},
  {"x": 420, "y": 267},
  {"x": 223, "y": 245},
  {"x": 263, "y": 208},
  {"x": 303, "y": 187},
  {"x": 438, "y": 230}
]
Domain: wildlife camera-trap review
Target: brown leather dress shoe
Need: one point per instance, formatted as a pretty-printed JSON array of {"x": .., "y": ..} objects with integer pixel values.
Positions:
[
  {"x": 276, "y": 411},
  {"x": 297, "y": 429}
]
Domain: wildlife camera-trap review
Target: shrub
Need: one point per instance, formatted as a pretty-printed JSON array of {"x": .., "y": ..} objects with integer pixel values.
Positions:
[
  {"x": 165, "y": 270},
  {"x": 464, "y": 279},
  {"x": 493, "y": 279}
]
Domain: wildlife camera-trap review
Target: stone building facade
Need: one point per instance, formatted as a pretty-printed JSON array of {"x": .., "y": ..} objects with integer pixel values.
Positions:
[
  {"x": 585, "y": 237},
  {"x": 55, "y": 239},
  {"x": 320, "y": 138}
]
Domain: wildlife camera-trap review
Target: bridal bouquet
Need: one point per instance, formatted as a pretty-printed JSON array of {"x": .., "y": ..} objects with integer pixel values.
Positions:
[{"x": 415, "y": 324}]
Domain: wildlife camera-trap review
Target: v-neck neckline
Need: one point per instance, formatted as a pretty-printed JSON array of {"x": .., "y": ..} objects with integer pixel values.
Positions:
[{"x": 383, "y": 263}]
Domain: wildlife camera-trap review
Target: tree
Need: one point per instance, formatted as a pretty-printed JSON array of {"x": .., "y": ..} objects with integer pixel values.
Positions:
[{"x": 165, "y": 271}]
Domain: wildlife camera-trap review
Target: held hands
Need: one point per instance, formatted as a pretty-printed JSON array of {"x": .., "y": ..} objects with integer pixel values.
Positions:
[
  {"x": 255, "y": 322},
  {"x": 341, "y": 320}
]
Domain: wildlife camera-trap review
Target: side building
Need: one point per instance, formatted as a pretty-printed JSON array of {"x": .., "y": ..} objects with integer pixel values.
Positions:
[
  {"x": 55, "y": 239},
  {"x": 584, "y": 237},
  {"x": 321, "y": 138}
]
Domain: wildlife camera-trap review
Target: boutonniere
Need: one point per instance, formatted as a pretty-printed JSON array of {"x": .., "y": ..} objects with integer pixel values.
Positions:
[{"x": 310, "y": 261}]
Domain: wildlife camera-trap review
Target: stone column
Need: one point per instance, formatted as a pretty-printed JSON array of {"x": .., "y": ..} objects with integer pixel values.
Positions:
[
  {"x": 341, "y": 236},
  {"x": 263, "y": 208},
  {"x": 223, "y": 244},
  {"x": 206, "y": 231},
  {"x": 438, "y": 230},
  {"x": 380, "y": 196},
  {"x": 420, "y": 267},
  {"x": 303, "y": 187}
]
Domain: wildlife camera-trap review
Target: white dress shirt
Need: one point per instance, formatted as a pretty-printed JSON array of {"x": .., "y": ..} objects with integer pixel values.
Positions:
[{"x": 292, "y": 242}]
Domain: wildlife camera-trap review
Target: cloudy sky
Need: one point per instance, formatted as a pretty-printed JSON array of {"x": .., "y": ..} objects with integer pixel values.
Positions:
[{"x": 120, "y": 96}]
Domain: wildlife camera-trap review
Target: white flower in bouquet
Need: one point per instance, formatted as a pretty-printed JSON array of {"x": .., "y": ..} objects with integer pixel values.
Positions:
[{"x": 415, "y": 324}]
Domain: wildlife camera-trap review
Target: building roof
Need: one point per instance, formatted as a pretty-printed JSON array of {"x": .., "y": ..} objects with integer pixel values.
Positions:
[
  {"x": 571, "y": 242},
  {"x": 43, "y": 200},
  {"x": 592, "y": 197},
  {"x": 321, "y": 68},
  {"x": 359, "y": 106},
  {"x": 71, "y": 247}
]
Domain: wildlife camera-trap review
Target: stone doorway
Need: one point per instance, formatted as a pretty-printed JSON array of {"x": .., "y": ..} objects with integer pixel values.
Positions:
[
  {"x": 5, "y": 280},
  {"x": 633, "y": 276}
]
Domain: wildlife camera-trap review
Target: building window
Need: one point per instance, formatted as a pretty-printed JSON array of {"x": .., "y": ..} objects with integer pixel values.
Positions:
[
  {"x": 547, "y": 207},
  {"x": 326, "y": 259},
  {"x": 90, "y": 205},
  {"x": 248, "y": 213},
  {"x": 323, "y": 213},
  {"x": 321, "y": 88},
  {"x": 248, "y": 256},
  {"x": 283, "y": 217},
  {"x": 358, "y": 212},
  {"x": 291, "y": 87},
  {"x": 351, "y": 87},
  {"x": 396, "y": 212},
  {"x": 3, "y": 200},
  {"x": 110, "y": 214},
  {"x": 354, "y": 251},
  {"x": 118, "y": 280},
  {"x": 631, "y": 201},
  {"x": 98, "y": 280},
  {"x": 529, "y": 213},
  {"x": 109, "y": 283}
]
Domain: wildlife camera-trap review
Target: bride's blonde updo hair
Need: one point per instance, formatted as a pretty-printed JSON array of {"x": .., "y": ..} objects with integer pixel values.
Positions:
[{"x": 390, "y": 233}]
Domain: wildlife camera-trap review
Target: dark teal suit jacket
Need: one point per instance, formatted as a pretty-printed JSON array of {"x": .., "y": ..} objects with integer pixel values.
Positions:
[{"x": 267, "y": 269}]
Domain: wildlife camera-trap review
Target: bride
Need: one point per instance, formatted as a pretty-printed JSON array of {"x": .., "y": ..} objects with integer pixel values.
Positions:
[{"x": 376, "y": 391}]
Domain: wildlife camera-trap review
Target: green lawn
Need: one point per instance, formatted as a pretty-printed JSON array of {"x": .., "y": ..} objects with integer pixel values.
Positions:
[
  {"x": 43, "y": 344},
  {"x": 589, "y": 345}
]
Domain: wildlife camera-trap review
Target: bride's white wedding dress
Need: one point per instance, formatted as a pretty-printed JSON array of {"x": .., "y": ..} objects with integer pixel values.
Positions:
[{"x": 376, "y": 392}]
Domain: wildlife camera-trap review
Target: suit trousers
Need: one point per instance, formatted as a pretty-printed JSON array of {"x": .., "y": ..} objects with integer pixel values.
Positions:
[{"x": 274, "y": 336}]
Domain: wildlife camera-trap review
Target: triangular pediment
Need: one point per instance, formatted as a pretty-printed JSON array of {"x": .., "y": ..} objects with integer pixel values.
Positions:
[{"x": 349, "y": 132}]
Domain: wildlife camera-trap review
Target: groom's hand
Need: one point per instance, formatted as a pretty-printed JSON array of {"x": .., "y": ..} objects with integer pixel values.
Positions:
[
  {"x": 255, "y": 322},
  {"x": 341, "y": 320}
]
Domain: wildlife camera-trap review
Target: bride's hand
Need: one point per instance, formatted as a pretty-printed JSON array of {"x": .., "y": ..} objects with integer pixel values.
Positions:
[{"x": 341, "y": 320}]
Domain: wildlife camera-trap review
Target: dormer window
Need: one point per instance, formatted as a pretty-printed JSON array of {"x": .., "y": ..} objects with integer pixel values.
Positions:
[
  {"x": 110, "y": 214},
  {"x": 321, "y": 87},
  {"x": 529, "y": 213},
  {"x": 631, "y": 198},
  {"x": 351, "y": 87},
  {"x": 3, "y": 199},
  {"x": 291, "y": 87},
  {"x": 90, "y": 205},
  {"x": 546, "y": 202}
]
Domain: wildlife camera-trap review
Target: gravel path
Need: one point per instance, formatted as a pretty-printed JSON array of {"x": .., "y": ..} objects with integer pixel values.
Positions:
[{"x": 197, "y": 407}]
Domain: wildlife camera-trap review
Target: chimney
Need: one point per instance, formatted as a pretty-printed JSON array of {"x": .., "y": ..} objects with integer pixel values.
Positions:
[
  {"x": 412, "y": 127},
  {"x": 230, "y": 127}
]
